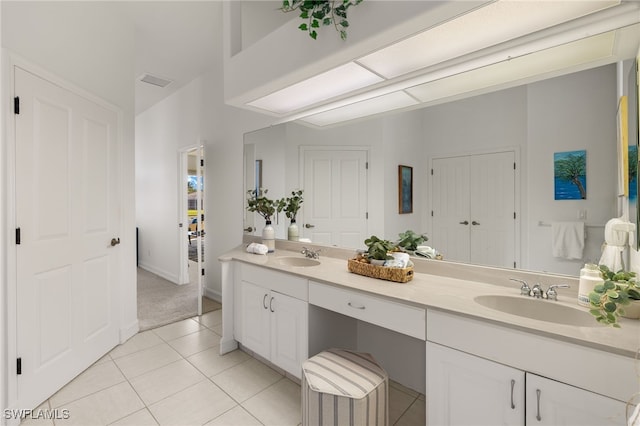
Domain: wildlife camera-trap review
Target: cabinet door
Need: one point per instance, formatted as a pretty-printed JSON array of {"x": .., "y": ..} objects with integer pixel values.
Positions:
[
  {"x": 289, "y": 331},
  {"x": 463, "y": 389},
  {"x": 255, "y": 318},
  {"x": 554, "y": 403}
]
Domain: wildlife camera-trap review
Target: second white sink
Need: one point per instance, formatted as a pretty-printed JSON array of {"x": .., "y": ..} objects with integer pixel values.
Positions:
[{"x": 541, "y": 310}]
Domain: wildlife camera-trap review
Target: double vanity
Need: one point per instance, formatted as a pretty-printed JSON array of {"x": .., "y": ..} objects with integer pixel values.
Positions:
[{"x": 461, "y": 334}]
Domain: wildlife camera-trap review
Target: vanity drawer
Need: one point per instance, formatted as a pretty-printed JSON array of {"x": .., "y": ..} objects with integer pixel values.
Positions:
[
  {"x": 291, "y": 285},
  {"x": 395, "y": 316}
]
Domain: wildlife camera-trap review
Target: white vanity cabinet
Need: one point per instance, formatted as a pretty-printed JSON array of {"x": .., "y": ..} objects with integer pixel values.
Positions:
[
  {"x": 269, "y": 322},
  {"x": 463, "y": 389},
  {"x": 485, "y": 374}
]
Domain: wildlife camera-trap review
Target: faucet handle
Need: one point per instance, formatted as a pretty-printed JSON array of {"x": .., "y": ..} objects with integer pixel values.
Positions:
[
  {"x": 552, "y": 294},
  {"x": 524, "y": 289}
]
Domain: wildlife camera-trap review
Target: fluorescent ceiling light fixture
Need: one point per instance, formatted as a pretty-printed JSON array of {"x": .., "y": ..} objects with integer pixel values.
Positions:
[
  {"x": 487, "y": 26},
  {"x": 155, "y": 80},
  {"x": 361, "y": 109},
  {"x": 337, "y": 81},
  {"x": 516, "y": 70}
]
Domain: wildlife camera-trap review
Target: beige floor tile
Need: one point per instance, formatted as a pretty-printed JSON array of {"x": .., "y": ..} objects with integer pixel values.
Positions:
[
  {"x": 217, "y": 329},
  {"x": 104, "y": 359},
  {"x": 140, "y": 341},
  {"x": 246, "y": 379},
  {"x": 143, "y": 361},
  {"x": 104, "y": 407},
  {"x": 414, "y": 416},
  {"x": 139, "y": 418},
  {"x": 237, "y": 416},
  {"x": 211, "y": 319},
  {"x": 210, "y": 362},
  {"x": 195, "y": 342},
  {"x": 278, "y": 405},
  {"x": 177, "y": 329},
  {"x": 93, "y": 379},
  {"x": 398, "y": 403},
  {"x": 195, "y": 405},
  {"x": 165, "y": 381}
]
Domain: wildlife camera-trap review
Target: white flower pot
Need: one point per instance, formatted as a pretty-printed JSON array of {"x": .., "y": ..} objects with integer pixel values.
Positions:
[{"x": 632, "y": 310}]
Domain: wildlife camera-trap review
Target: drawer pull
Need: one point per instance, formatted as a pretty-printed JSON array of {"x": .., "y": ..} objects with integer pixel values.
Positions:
[
  {"x": 356, "y": 306},
  {"x": 538, "y": 392},
  {"x": 264, "y": 301},
  {"x": 513, "y": 384}
]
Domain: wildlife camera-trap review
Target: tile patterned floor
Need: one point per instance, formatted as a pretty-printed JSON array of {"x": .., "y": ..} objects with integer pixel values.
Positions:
[{"x": 174, "y": 375}]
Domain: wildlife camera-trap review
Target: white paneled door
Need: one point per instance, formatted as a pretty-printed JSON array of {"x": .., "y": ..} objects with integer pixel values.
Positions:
[
  {"x": 335, "y": 206},
  {"x": 473, "y": 208},
  {"x": 67, "y": 211}
]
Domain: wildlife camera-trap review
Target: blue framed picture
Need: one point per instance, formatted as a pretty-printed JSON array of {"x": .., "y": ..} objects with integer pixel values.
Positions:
[
  {"x": 405, "y": 189},
  {"x": 570, "y": 175}
]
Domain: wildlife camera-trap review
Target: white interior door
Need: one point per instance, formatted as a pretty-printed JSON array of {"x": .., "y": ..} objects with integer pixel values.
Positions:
[
  {"x": 493, "y": 222},
  {"x": 67, "y": 208},
  {"x": 473, "y": 208},
  {"x": 335, "y": 206},
  {"x": 450, "y": 208}
]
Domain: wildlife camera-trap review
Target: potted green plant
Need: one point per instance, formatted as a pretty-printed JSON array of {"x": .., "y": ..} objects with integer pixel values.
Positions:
[
  {"x": 290, "y": 206},
  {"x": 378, "y": 249},
  {"x": 321, "y": 12},
  {"x": 611, "y": 299},
  {"x": 409, "y": 240},
  {"x": 258, "y": 202}
]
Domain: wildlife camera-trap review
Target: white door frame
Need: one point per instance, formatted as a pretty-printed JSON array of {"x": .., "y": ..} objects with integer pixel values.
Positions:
[
  {"x": 183, "y": 227},
  {"x": 10, "y": 301},
  {"x": 517, "y": 195}
]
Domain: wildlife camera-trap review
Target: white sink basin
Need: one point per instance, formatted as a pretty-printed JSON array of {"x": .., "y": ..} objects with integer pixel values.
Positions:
[
  {"x": 298, "y": 261},
  {"x": 542, "y": 310}
]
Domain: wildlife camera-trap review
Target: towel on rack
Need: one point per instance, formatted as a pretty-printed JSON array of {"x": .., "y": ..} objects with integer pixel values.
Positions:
[
  {"x": 567, "y": 239},
  {"x": 616, "y": 234}
]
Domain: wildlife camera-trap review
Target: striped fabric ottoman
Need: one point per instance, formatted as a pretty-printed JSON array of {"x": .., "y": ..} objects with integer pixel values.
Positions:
[{"x": 341, "y": 387}]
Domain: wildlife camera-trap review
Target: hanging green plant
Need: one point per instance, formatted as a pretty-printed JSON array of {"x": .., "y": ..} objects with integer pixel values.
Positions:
[{"x": 321, "y": 12}]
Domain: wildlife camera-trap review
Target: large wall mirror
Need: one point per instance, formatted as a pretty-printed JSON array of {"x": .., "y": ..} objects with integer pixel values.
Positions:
[{"x": 488, "y": 159}]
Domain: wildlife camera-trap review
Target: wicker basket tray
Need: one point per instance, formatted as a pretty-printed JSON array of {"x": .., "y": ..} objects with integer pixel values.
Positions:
[{"x": 399, "y": 275}]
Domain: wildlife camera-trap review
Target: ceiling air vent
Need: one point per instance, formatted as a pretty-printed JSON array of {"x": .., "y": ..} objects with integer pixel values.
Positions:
[{"x": 156, "y": 81}]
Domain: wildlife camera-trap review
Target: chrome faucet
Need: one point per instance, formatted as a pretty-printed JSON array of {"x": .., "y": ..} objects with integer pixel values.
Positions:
[
  {"x": 537, "y": 292},
  {"x": 552, "y": 294},
  {"x": 311, "y": 254},
  {"x": 524, "y": 290}
]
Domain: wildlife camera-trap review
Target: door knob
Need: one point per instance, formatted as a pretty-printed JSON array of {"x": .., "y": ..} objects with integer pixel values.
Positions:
[
  {"x": 249, "y": 229},
  {"x": 115, "y": 241},
  {"x": 466, "y": 222},
  {"x": 475, "y": 223},
  {"x": 308, "y": 225}
]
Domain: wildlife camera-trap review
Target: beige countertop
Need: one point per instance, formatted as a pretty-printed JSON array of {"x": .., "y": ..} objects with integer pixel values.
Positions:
[{"x": 456, "y": 295}]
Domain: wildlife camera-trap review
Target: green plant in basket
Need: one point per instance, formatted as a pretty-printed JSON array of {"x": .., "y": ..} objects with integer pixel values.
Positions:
[
  {"x": 607, "y": 299},
  {"x": 409, "y": 240},
  {"x": 378, "y": 249}
]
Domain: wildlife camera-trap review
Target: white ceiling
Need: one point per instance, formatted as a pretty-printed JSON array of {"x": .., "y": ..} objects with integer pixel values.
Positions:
[{"x": 177, "y": 40}]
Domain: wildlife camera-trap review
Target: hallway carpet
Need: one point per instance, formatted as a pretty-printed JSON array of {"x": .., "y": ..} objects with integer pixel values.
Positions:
[{"x": 161, "y": 302}]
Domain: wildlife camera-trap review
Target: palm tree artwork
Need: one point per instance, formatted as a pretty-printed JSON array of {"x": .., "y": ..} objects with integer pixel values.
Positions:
[{"x": 570, "y": 172}]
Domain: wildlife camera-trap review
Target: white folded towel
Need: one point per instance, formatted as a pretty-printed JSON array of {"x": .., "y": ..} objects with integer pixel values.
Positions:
[
  {"x": 257, "y": 248},
  {"x": 567, "y": 239},
  {"x": 616, "y": 235}
]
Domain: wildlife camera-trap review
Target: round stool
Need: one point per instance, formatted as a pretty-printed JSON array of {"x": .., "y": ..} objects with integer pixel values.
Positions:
[{"x": 341, "y": 387}]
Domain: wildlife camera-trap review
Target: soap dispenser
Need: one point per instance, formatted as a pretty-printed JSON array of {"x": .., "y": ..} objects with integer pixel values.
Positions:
[{"x": 589, "y": 277}]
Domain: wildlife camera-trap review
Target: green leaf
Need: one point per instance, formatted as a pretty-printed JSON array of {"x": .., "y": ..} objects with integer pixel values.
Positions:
[
  {"x": 326, "y": 21},
  {"x": 313, "y": 34},
  {"x": 612, "y": 294},
  {"x": 599, "y": 288},
  {"x": 315, "y": 24},
  {"x": 609, "y": 285},
  {"x": 344, "y": 23},
  {"x": 595, "y": 312},
  {"x": 319, "y": 14},
  {"x": 304, "y": 14},
  {"x": 609, "y": 307},
  {"x": 343, "y": 35},
  {"x": 303, "y": 27},
  {"x": 595, "y": 298}
]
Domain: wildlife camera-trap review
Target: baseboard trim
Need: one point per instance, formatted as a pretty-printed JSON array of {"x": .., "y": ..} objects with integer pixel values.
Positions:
[
  {"x": 161, "y": 273},
  {"x": 213, "y": 295},
  {"x": 129, "y": 331}
]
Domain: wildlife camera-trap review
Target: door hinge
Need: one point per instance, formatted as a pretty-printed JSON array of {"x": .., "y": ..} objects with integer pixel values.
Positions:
[
  {"x": 514, "y": 265},
  {"x": 431, "y": 213},
  {"x": 514, "y": 215},
  {"x": 514, "y": 165},
  {"x": 202, "y": 162},
  {"x": 19, "y": 366},
  {"x": 431, "y": 172},
  {"x": 203, "y": 272},
  {"x": 17, "y": 236},
  {"x": 366, "y": 165},
  {"x": 16, "y": 105},
  {"x": 366, "y": 215}
]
